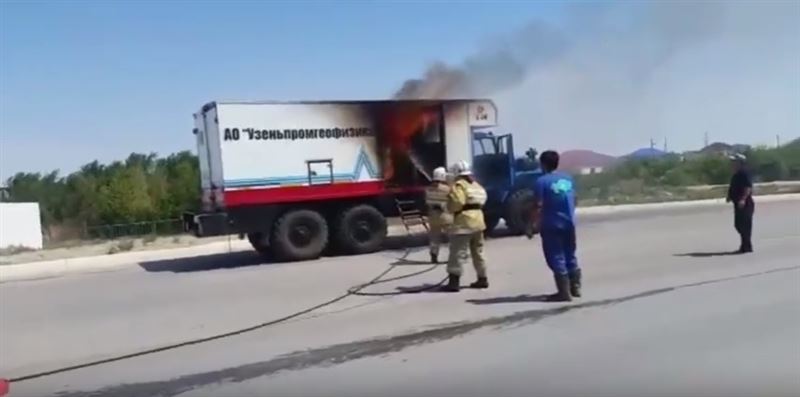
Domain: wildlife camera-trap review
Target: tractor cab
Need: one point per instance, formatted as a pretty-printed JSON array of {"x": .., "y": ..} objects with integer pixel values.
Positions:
[
  {"x": 493, "y": 159},
  {"x": 508, "y": 180},
  {"x": 494, "y": 162}
]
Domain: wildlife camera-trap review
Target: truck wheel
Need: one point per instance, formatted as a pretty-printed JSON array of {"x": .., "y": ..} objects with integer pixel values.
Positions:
[
  {"x": 491, "y": 222},
  {"x": 518, "y": 211},
  {"x": 259, "y": 242},
  {"x": 360, "y": 230},
  {"x": 299, "y": 235}
]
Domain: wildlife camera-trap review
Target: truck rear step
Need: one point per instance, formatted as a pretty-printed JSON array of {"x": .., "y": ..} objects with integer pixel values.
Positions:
[{"x": 410, "y": 214}]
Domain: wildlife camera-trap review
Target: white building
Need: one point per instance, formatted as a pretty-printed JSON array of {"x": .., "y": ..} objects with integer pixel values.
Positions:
[
  {"x": 20, "y": 225},
  {"x": 590, "y": 170}
]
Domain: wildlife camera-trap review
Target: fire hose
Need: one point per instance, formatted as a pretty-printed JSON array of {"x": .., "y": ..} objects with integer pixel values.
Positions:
[{"x": 352, "y": 291}]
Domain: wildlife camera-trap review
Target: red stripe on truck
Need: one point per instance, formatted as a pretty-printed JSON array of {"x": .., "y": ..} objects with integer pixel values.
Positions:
[{"x": 276, "y": 195}]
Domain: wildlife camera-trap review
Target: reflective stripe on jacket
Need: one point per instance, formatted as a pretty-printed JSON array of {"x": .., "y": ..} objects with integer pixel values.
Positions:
[{"x": 465, "y": 201}]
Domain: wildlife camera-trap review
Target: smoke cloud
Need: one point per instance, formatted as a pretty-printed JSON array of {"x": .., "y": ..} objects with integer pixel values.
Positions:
[{"x": 611, "y": 77}]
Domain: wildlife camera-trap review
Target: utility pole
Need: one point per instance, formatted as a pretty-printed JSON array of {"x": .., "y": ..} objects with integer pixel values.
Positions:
[
  {"x": 705, "y": 140},
  {"x": 665, "y": 144},
  {"x": 652, "y": 143},
  {"x": 778, "y": 140}
]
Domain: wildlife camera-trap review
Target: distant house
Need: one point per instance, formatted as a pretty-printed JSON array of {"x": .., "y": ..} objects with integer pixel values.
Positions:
[
  {"x": 585, "y": 162},
  {"x": 590, "y": 170}
]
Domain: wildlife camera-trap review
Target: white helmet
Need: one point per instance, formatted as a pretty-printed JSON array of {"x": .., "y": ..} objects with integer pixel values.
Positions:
[
  {"x": 461, "y": 168},
  {"x": 440, "y": 174}
]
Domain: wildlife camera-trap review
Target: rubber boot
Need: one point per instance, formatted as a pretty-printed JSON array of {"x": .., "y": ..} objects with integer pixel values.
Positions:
[
  {"x": 482, "y": 283},
  {"x": 745, "y": 249},
  {"x": 575, "y": 283},
  {"x": 434, "y": 258},
  {"x": 562, "y": 284},
  {"x": 747, "y": 246},
  {"x": 453, "y": 284}
]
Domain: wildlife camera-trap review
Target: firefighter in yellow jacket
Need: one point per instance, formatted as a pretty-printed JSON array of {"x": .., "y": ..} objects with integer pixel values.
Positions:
[
  {"x": 465, "y": 201},
  {"x": 438, "y": 217}
]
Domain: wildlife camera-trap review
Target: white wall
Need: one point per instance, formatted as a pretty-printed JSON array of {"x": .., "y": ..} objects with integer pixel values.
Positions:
[
  {"x": 591, "y": 170},
  {"x": 20, "y": 225}
]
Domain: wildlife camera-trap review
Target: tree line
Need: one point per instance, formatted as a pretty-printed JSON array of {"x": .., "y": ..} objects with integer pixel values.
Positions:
[
  {"x": 666, "y": 174},
  {"x": 145, "y": 187}
]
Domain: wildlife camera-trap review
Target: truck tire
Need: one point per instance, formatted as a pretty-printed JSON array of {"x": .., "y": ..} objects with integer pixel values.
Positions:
[
  {"x": 259, "y": 242},
  {"x": 491, "y": 221},
  {"x": 360, "y": 230},
  {"x": 299, "y": 235},
  {"x": 518, "y": 211}
]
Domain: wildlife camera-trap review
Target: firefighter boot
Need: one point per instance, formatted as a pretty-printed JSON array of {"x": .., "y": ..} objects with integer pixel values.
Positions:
[
  {"x": 453, "y": 284},
  {"x": 575, "y": 283},
  {"x": 562, "y": 284},
  {"x": 482, "y": 283}
]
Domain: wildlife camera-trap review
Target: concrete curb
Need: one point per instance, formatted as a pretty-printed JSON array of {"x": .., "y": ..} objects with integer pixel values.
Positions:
[
  {"x": 100, "y": 263},
  {"x": 89, "y": 264},
  {"x": 608, "y": 209},
  {"x": 92, "y": 264}
]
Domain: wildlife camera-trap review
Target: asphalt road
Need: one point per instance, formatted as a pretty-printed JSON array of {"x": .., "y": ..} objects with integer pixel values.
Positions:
[{"x": 666, "y": 312}]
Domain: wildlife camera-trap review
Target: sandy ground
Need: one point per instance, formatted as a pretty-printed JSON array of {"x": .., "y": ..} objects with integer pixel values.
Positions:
[{"x": 79, "y": 249}]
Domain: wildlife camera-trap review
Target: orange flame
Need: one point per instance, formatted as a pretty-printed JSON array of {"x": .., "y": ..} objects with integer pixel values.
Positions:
[{"x": 400, "y": 126}]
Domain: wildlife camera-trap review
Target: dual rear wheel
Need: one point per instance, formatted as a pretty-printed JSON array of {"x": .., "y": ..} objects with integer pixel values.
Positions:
[{"x": 304, "y": 234}]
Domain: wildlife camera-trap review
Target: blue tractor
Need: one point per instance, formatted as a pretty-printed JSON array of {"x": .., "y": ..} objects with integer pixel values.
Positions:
[{"x": 508, "y": 180}]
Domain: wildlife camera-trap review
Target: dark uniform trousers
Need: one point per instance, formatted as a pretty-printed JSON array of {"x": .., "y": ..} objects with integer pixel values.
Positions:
[{"x": 743, "y": 221}]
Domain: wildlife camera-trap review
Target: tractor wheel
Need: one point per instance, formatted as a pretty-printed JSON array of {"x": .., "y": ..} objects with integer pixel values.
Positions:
[
  {"x": 299, "y": 235},
  {"x": 360, "y": 229},
  {"x": 491, "y": 220},
  {"x": 259, "y": 242},
  {"x": 518, "y": 211}
]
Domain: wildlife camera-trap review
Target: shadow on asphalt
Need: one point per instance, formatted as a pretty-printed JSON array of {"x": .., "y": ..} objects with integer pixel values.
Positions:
[
  {"x": 510, "y": 299},
  {"x": 201, "y": 263},
  {"x": 428, "y": 288},
  {"x": 709, "y": 254},
  {"x": 235, "y": 260},
  {"x": 239, "y": 259}
]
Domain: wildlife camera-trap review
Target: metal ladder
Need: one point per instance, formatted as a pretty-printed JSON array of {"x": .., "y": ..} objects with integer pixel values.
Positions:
[{"x": 410, "y": 214}]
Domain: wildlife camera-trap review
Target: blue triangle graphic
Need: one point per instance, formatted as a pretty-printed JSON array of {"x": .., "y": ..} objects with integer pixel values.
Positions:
[{"x": 361, "y": 162}]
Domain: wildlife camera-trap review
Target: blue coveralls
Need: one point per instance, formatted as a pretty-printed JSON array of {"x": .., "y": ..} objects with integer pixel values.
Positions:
[{"x": 556, "y": 193}]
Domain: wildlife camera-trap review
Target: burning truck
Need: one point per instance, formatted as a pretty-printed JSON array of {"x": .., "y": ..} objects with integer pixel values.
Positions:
[{"x": 301, "y": 178}]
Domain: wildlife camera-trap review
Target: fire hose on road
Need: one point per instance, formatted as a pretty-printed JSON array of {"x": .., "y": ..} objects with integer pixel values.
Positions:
[{"x": 352, "y": 291}]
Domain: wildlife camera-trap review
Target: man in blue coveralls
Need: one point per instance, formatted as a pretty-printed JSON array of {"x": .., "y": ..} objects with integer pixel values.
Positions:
[{"x": 555, "y": 217}]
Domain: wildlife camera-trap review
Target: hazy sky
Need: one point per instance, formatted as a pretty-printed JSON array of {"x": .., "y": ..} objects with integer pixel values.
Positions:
[
  {"x": 668, "y": 69},
  {"x": 98, "y": 79}
]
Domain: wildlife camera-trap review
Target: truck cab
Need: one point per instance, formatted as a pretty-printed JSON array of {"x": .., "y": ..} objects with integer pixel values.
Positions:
[{"x": 508, "y": 180}]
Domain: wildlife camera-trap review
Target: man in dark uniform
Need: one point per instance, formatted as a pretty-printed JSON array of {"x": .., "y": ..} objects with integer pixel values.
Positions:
[{"x": 740, "y": 192}]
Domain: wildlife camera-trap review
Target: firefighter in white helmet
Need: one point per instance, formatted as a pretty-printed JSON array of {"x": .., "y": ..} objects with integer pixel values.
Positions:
[
  {"x": 438, "y": 217},
  {"x": 465, "y": 201}
]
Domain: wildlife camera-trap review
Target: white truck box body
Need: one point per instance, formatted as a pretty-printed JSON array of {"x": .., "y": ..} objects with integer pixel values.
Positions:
[
  {"x": 269, "y": 145},
  {"x": 252, "y": 161}
]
